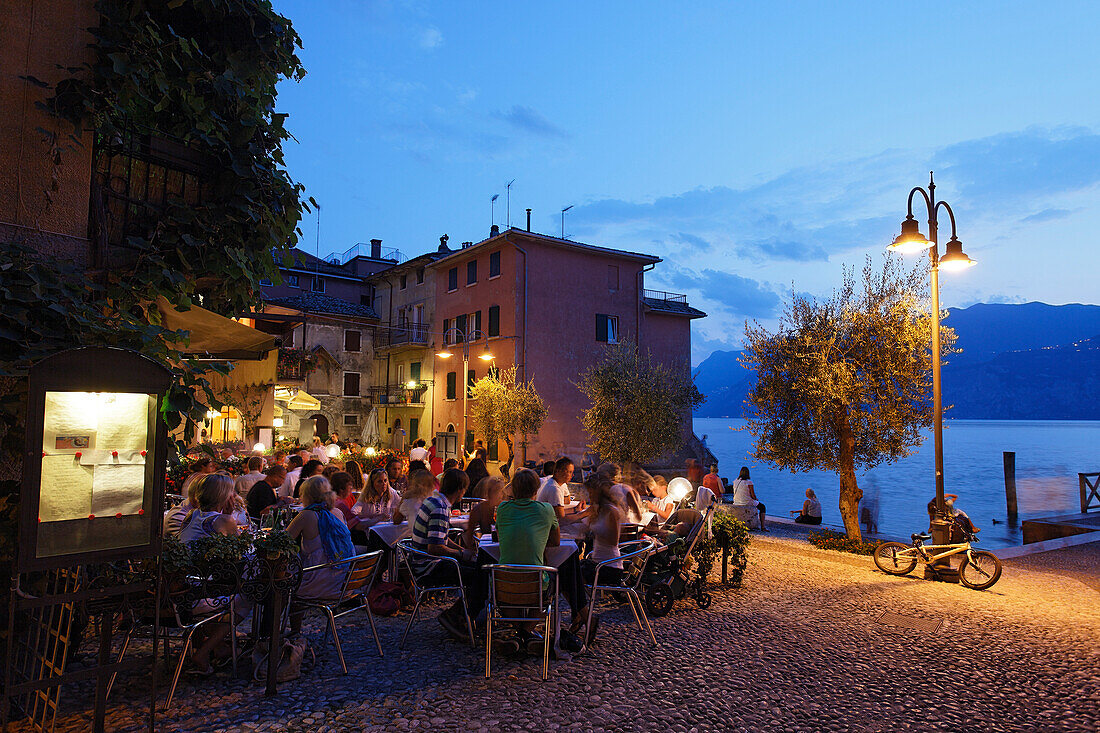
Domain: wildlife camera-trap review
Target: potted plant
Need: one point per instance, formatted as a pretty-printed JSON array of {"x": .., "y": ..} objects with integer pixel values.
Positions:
[{"x": 276, "y": 547}]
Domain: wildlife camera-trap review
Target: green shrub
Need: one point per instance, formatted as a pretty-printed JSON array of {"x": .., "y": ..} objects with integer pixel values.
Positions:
[
  {"x": 827, "y": 539},
  {"x": 730, "y": 541}
]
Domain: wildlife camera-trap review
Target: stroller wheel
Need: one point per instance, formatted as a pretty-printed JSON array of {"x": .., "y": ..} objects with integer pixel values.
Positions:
[
  {"x": 658, "y": 599},
  {"x": 703, "y": 600}
]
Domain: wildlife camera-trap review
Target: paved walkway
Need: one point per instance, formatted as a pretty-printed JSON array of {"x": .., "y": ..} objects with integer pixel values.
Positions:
[{"x": 798, "y": 648}]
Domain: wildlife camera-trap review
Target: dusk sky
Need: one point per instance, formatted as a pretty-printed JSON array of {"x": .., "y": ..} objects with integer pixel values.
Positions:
[{"x": 754, "y": 147}]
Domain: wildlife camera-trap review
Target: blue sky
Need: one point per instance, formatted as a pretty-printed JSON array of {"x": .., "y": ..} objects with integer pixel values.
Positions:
[{"x": 757, "y": 147}]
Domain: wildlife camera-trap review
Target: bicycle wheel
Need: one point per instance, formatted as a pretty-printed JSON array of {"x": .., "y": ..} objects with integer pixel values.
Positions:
[
  {"x": 892, "y": 558},
  {"x": 980, "y": 571}
]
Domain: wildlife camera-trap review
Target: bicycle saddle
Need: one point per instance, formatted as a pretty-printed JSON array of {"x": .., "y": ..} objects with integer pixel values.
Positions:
[{"x": 921, "y": 537}]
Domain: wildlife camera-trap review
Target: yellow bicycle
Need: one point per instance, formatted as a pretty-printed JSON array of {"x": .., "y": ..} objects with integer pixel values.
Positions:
[{"x": 979, "y": 569}]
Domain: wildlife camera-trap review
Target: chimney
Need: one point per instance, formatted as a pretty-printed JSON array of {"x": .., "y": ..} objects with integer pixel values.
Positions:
[
  {"x": 376, "y": 248},
  {"x": 528, "y": 220},
  {"x": 494, "y": 230}
]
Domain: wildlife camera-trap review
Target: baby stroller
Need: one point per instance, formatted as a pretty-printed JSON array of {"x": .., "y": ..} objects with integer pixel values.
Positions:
[{"x": 665, "y": 576}]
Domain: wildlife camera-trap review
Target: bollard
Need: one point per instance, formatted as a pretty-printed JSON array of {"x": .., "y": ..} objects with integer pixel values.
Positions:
[{"x": 1010, "y": 483}]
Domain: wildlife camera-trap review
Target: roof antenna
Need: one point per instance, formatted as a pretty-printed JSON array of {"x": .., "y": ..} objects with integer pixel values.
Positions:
[
  {"x": 508, "y": 199},
  {"x": 317, "y": 241},
  {"x": 567, "y": 208},
  {"x": 493, "y": 209}
]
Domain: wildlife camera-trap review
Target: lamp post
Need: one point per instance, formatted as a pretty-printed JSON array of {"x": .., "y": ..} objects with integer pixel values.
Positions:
[
  {"x": 464, "y": 338},
  {"x": 909, "y": 241}
]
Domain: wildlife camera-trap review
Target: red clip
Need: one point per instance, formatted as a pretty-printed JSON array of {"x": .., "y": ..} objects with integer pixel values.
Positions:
[
  {"x": 79, "y": 454},
  {"x": 119, "y": 515},
  {"x": 91, "y": 516},
  {"x": 114, "y": 454},
  {"x": 141, "y": 511},
  {"x": 43, "y": 454},
  {"x": 143, "y": 454}
]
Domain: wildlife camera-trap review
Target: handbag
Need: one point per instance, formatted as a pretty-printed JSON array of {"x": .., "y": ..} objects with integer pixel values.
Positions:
[
  {"x": 290, "y": 659},
  {"x": 384, "y": 598}
]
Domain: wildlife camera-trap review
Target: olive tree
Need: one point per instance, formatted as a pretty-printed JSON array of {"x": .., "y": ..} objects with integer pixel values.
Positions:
[
  {"x": 502, "y": 408},
  {"x": 845, "y": 382},
  {"x": 638, "y": 405}
]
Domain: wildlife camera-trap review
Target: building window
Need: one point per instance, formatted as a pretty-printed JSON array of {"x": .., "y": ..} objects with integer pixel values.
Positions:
[
  {"x": 414, "y": 429},
  {"x": 471, "y": 377},
  {"x": 352, "y": 340},
  {"x": 265, "y": 281},
  {"x": 494, "y": 265},
  {"x": 452, "y": 379},
  {"x": 404, "y": 282},
  {"x": 607, "y": 328},
  {"x": 317, "y": 285},
  {"x": 292, "y": 280},
  {"x": 420, "y": 276},
  {"x": 351, "y": 384},
  {"x": 452, "y": 279},
  {"x": 414, "y": 371},
  {"x": 460, "y": 326},
  {"x": 494, "y": 320},
  {"x": 351, "y": 419},
  {"x": 471, "y": 272},
  {"x": 365, "y": 300},
  {"x": 612, "y": 277}
]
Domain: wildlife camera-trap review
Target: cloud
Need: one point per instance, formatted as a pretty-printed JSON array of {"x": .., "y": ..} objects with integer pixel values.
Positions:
[
  {"x": 739, "y": 295},
  {"x": 774, "y": 248},
  {"x": 529, "y": 120},
  {"x": 431, "y": 38},
  {"x": 1046, "y": 215}
]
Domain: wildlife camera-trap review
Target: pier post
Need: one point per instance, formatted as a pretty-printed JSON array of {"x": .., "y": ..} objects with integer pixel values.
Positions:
[{"x": 1010, "y": 484}]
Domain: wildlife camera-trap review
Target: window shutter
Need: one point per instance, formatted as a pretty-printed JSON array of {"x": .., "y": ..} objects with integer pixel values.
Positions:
[
  {"x": 451, "y": 378},
  {"x": 494, "y": 320},
  {"x": 601, "y": 327}
]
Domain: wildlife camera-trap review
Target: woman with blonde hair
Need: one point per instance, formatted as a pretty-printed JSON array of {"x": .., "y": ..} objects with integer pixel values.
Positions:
[
  {"x": 213, "y": 512},
  {"x": 377, "y": 500},
  {"x": 325, "y": 539},
  {"x": 811, "y": 509},
  {"x": 421, "y": 485}
]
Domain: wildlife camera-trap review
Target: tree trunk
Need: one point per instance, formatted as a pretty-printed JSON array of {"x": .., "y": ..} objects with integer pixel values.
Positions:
[
  {"x": 850, "y": 493},
  {"x": 511, "y": 456},
  {"x": 725, "y": 564}
]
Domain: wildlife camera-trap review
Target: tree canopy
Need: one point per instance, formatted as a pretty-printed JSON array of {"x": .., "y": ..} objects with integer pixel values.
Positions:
[
  {"x": 638, "y": 405},
  {"x": 845, "y": 382},
  {"x": 502, "y": 408}
]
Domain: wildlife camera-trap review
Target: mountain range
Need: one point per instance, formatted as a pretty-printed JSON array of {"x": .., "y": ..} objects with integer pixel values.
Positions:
[{"x": 1030, "y": 361}]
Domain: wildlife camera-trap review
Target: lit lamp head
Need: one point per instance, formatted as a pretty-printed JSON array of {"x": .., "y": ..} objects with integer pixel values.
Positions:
[
  {"x": 678, "y": 488},
  {"x": 910, "y": 240},
  {"x": 444, "y": 353},
  {"x": 210, "y": 414},
  {"x": 411, "y": 384},
  {"x": 259, "y": 448},
  {"x": 486, "y": 355},
  {"x": 954, "y": 259},
  {"x": 332, "y": 450},
  {"x": 370, "y": 451},
  {"x": 277, "y": 422}
]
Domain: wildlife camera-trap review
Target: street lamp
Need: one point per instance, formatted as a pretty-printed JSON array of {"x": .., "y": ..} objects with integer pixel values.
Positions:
[
  {"x": 486, "y": 355},
  {"x": 911, "y": 240}
]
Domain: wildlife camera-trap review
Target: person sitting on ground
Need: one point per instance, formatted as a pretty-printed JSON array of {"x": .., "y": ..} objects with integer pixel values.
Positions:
[
  {"x": 311, "y": 468},
  {"x": 483, "y": 513},
  {"x": 421, "y": 485},
  {"x": 377, "y": 500},
  {"x": 293, "y": 471},
  {"x": 811, "y": 509},
  {"x": 201, "y": 467},
  {"x": 555, "y": 492},
  {"x": 325, "y": 539},
  {"x": 430, "y": 530},
  {"x": 745, "y": 493},
  {"x": 660, "y": 504},
  {"x": 418, "y": 452},
  {"x": 262, "y": 496},
  {"x": 255, "y": 473},
  {"x": 212, "y": 516}
]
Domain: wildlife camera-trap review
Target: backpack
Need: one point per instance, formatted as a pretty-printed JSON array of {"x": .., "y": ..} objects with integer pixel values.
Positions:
[{"x": 384, "y": 598}]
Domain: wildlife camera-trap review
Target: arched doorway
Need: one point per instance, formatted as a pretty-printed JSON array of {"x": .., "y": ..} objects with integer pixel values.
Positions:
[{"x": 320, "y": 424}]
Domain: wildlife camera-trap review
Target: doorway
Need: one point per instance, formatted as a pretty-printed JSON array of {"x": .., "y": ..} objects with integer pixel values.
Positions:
[{"x": 320, "y": 425}]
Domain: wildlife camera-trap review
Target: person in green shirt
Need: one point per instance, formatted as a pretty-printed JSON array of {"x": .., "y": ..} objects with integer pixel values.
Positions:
[{"x": 526, "y": 527}]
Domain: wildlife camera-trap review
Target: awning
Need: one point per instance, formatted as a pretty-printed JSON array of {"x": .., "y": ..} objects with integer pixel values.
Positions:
[
  {"x": 297, "y": 399},
  {"x": 214, "y": 336},
  {"x": 246, "y": 373}
]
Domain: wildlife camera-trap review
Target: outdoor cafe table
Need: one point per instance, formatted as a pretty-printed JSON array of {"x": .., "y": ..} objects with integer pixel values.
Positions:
[
  {"x": 391, "y": 534},
  {"x": 553, "y": 557}
]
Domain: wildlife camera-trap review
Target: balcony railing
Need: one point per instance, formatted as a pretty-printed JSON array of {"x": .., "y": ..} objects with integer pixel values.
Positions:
[
  {"x": 407, "y": 334},
  {"x": 398, "y": 395},
  {"x": 663, "y": 295},
  {"x": 295, "y": 364}
]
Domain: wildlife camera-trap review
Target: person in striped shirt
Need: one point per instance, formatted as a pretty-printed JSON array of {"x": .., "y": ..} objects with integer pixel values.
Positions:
[{"x": 429, "y": 533}]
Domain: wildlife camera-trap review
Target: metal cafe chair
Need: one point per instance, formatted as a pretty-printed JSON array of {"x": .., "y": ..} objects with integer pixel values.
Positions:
[
  {"x": 362, "y": 572},
  {"x": 519, "y": 592},
  {"x": 407, "y": 551},
  {"x": 633, "y": 560}
]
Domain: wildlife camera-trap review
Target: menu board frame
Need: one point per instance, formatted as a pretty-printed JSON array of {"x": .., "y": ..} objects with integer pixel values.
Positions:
[{"x": 103, "y": 370}]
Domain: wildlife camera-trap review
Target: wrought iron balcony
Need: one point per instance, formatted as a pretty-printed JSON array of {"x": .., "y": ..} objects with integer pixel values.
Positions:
[
  {"x": 400, "y": 395},
  {"x": 663, "y": 295},
  {"x": 405, "y": 334}
]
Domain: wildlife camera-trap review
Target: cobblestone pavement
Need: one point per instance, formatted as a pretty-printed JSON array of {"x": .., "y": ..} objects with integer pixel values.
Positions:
[{"x": 798, "y": 648}]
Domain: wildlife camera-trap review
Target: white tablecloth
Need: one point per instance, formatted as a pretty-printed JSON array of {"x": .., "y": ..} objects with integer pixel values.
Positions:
[
  {"x": 554, "y": 556},
  {"x": 391, "y": 533}
]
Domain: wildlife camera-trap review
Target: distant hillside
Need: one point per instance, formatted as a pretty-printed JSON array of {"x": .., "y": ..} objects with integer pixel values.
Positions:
[{"x": 1019, "y": 362}]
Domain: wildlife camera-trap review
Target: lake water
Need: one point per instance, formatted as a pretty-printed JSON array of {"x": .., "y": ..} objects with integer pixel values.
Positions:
[{"x": 1049, "y": 455}]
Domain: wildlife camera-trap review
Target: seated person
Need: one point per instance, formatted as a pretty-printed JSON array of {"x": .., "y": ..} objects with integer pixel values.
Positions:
[
  {"x": 555, "y": 492},
  {"x": 625, "y": 496},
  {"x": 264, "y": 493},
  {"x": 429, "y": 534},
  {"x": 660, "y": 504},
  {"x": 447, "y": 466},
  {"x": 377, "y": 500},
  {"x": 421, "y": 485},
  {"x": 483, "y": 514},
  {"x": 811, "y": 510},
  {"x": 680, "y": 525},
  {"x": 341, "y": 486}
]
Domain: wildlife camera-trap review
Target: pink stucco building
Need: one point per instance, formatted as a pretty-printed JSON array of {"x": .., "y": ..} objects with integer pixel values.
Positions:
[{"x": 550, "y": 307}]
